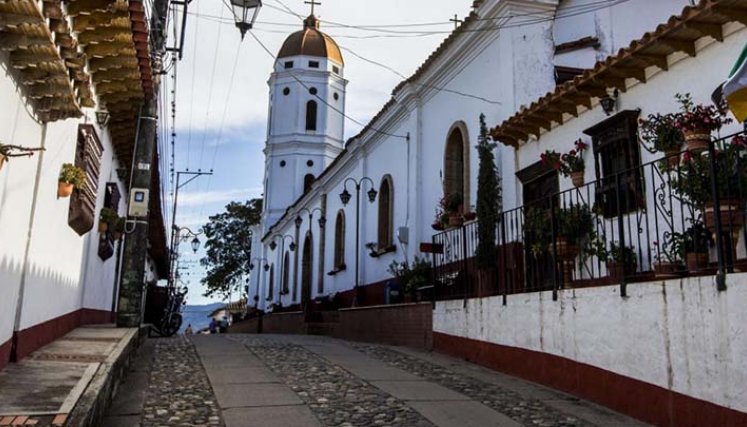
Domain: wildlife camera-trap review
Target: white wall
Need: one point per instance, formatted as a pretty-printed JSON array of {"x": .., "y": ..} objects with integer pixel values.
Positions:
[
  {"x": 63, "y": 270},
  {"x": 681, "y": 335}
]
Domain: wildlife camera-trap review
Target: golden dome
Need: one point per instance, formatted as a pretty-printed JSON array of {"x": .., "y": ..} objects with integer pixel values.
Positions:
[{"x": 311, "y": 42}]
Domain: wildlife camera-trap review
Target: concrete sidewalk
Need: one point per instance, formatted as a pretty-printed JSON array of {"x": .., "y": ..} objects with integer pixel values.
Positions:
[
  {"x": 248, "y": 393},
  {"x": 66, "y": 381}
]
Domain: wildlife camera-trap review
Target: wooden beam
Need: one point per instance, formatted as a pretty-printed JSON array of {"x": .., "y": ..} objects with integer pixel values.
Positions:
[
  {"x": 115, "y": 75},
  {"x": 58, "y": 103},
  {"x": 49, "y": 89},
  {"x": 591, "y": 90},
  {"x": 552, "y": 115},
  {"x": 625, "y": 72},
  {"x": 538, "y": 121},
  {"x": 13, "y": 41},
  {"x": 608, "y": 80},
  {"x": 679, "y": 45},
  {"x": 103, "y": 35},
  {"x": 565, "y": 106},
  {"x": 53, "y": 10},
  {"x": 733, "y": 13},
  {"x": 100, "y": 20},
  {"x": 649, "y": 59},
  {"x": 101, "y": 50},
  {"x": 25, "y": 58},
  {"x": 77, "y": 7},
  {"x": 96, "y": 64},
  {"x": 11, "y": 20},
  {"x": 109, "y": 88},
  {"x": 707, "y": 29}
]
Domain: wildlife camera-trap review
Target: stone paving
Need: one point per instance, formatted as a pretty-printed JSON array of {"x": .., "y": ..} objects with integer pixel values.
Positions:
[
  {"x": 336, "y": 397},
  {"x": 179, "y": 393},
  {"x": 528, "y": 412}
]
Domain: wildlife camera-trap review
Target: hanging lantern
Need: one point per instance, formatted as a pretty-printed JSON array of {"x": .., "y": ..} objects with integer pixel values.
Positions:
[
  {"x": 345, "y": 197},
  {"x": 245, "y": 14},
  {"x": 195, "y": 244}
]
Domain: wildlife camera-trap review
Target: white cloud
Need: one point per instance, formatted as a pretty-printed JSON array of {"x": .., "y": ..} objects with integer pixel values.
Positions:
[{"x": 207, "y": 198}]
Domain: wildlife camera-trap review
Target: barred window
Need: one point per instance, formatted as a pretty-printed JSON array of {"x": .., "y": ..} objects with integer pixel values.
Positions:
[{"x": 386, "y": 213}]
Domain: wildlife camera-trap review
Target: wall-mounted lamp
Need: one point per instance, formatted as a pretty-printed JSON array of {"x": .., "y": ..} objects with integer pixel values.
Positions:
[
  {"x": 102, "y": 117},
  {"x": 609, "y": 102}
]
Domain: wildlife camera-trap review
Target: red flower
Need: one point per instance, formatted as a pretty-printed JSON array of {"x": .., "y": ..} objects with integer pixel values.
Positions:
[{"x": 687, "y": 156}]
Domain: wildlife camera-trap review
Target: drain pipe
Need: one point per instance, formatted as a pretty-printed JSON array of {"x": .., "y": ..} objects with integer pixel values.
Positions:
[{"x": 25, "y": 269}]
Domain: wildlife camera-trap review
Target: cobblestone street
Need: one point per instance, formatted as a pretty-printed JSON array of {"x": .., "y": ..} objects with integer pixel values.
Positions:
[{"x": 277, "y": 380}]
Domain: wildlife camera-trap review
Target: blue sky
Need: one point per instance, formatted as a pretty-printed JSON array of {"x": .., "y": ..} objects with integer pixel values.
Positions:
[{"x": 221, "y": 121}]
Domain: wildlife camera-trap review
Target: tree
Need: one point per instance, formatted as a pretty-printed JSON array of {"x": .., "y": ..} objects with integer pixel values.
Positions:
[
  {"x": 488, "y": 199},
  {"x": 229, "y": 247}
]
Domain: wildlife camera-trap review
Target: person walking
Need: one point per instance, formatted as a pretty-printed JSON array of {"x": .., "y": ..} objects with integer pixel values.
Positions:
[
  {"x": 188, "y": 331},
  {"x": 213, "y": 326}
]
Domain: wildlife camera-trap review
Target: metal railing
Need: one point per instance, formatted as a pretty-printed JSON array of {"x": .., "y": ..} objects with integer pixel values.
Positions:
[{"x": 681, "y": 215}]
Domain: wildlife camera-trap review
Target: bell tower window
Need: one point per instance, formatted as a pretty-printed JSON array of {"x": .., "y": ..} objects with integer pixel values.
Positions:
[{"x": 311, "y": 108}]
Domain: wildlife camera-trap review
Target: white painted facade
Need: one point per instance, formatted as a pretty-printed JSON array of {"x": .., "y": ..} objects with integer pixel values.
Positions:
[
  {"x": 510, "y": 67},
  {"x": 46, "y": 269},
  {"x": 682, "y": 335}
]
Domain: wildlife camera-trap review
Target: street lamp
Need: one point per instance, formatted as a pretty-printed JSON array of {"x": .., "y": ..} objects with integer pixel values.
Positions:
[
  {"x": 245, "y": 14},
  {"x": 181, "y": 234},
  {"x": 102, "y": 117},
  {"x": 322, "y": 219},
  {"x": 195, "y": 244},
  {"x": 345, "y": 197}
]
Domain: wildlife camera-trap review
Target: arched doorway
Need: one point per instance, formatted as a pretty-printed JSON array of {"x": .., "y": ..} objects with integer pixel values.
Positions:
[
  {"x": 306, "y": 275},
  {"x": 456, "y": 164}
]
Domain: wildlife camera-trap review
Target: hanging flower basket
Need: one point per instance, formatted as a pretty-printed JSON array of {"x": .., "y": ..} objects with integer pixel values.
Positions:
[
  {"x": 577, "y": 178},
  {"x": 64, "y": 189},
  {"x": 697, "y": 140}
]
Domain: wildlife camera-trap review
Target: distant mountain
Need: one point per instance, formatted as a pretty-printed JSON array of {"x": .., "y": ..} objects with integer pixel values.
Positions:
[{"x": 197, "y": 315}]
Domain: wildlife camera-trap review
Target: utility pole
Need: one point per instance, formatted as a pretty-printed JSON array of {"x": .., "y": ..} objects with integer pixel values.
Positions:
[
  {"x": 175, "y": 230},
  {"x": 131, "y": 295}
]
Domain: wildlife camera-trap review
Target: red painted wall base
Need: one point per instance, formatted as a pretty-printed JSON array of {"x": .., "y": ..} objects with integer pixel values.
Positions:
[
  {"x": 647, "y": 402},
  {"x": 37, "y": 336}
]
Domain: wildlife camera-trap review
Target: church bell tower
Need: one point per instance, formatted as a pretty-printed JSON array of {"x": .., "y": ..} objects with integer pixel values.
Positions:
[{"x": 305, "y": 121}]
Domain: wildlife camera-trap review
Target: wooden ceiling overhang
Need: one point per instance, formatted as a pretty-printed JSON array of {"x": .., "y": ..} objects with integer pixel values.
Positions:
[
  {"x": 65, "y": 52},
  {"x": 679, "y": 34}
]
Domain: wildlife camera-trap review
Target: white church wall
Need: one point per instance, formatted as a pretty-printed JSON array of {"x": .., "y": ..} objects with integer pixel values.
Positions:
[{"x": 644, "y": 334}]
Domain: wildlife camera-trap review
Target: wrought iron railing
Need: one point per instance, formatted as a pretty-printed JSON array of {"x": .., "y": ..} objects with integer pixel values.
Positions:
[{"x": 681, "y": 215}]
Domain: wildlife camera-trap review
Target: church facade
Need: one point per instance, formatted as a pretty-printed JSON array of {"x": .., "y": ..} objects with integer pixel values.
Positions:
[{"x": 418, "y": 148}]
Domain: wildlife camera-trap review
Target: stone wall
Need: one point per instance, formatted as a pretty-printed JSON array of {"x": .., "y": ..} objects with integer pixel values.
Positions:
[
  {"x": 402, "y": 324},
  {"x": 283, "y": 323}
]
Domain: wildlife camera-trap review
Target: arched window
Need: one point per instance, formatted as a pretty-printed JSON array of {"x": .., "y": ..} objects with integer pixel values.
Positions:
[
  {"x": 271, "y": 283},
  {"x": 311, "y": 108},
  {"x": 340, "y": 240},
  {"x": 286, "y": 272},
  {"x": 386, "y": 213},
  {"x": 456, "y": 164},
  {"x": 307, "y": 181}
]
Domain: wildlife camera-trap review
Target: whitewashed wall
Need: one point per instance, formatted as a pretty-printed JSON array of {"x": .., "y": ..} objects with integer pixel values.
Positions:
[
  {"x": 682, "y": 335},
  {"x": 63, "y": 270}
]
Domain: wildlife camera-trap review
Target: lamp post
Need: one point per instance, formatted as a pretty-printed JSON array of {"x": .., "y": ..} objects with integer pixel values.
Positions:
[
  {"x": 345, "y": 197},
  {"x": 265, "y": 267},
  {"x": 299, "y": 222},
  {"x": 175, "y": 229},
  {"x": 292, "y": 248},
  {"x": 182, "y": 234}
]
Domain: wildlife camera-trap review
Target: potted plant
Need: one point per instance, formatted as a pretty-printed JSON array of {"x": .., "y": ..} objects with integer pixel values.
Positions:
[
  {"x": 119, "y": 228},
  {"x": 570, "y": 164},
  {"x": 621, "y": 261},
  {"x": 470, "y": 216},
  {"x": 107, "y": 219},
  {"x": 536, "y": 230},
  {"x": 71, "y": 177},
  {"x": 693, "y": 245},
  {"x": 661, "y": 134},
  {"x": 574, "y": 228},
  {"x": 410, "y": 276},
  {"x": 697, "y": 122},
  {"x": 669, "y": 257},
  {"x": 451, "y": 205},
  {"x": 693, "y": 183}
]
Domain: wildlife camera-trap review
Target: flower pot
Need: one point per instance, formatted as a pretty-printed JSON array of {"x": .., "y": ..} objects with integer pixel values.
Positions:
[
  {"x": 731, "y": 214},
  {"x": 577, "y": 178},
  {"x": 665, "y": 269},
  {"x": 566, "y": 251},
  {"x": 103, "y": 227},
  {"x": 617, "y": 270},
  {"x": 64, "y": 189},
  {"x": 697, "y": 140},
  {"x": 455, "y": 220},
  {"x": 437, "y": 226},
  {"x": 696, "y": 261}
]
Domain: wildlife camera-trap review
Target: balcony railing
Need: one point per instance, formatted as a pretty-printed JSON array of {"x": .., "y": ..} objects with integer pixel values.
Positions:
[{"x": 682, "y": 215}]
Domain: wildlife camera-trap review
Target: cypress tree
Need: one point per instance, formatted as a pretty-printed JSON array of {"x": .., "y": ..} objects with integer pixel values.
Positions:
[{"x": 488, "y": 199}]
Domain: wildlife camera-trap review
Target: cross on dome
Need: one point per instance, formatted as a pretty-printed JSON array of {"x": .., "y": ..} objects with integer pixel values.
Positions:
[{"x": 313, "y": 3}]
